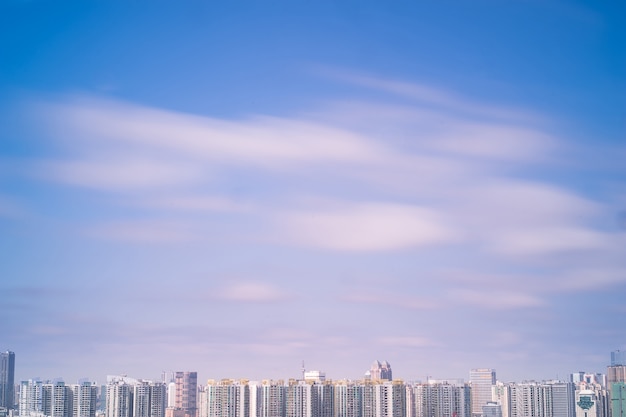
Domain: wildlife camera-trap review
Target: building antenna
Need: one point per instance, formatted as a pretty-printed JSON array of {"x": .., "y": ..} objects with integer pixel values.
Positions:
[{"x": 303, "y": 369}]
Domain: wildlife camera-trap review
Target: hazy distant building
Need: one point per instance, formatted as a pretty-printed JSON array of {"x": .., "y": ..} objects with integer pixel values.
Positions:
[
  {"x": 481, "y": 380},
  {"x": 380, "y": 371},
  {"x": 171, "y": 394},
  {"x": 7, "y": 380},
  {"x": 588, "y": 378},
  {"x": 314, "y": 376},
  {"x": 618, "y": 357}
]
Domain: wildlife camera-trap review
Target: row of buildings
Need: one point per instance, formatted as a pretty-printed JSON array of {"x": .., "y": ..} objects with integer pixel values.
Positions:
[{"x": 377, "y": 395}]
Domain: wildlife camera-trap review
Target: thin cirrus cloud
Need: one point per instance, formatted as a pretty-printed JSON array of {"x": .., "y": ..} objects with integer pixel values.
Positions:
[
  {"x": 251, "y": 292},
  {"x": 442, "y": 176},
  {"x": 261, "y": 140},
  {"x": 496, "y": 300},
  {"x": 433, "y": 97},
  {"x": 367, "y": 227}
]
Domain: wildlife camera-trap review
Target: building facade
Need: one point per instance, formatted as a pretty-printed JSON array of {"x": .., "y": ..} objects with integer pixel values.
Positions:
[
  {"x": 7, "y": 380},
  {"x": 482, "y": 381}
]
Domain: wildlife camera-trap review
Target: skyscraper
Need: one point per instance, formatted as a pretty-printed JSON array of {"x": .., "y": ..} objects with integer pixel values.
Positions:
[
  {"x": 84, "y": 399},
  {"x": 618, "y": 357},
  {"x": 482, "y": 380},
  {"x": 380, "y": 371},
  {"x": 186, "y": 393},
  {"x": 442, "y": 399},
  {"x": 7, "y": 379},
  {"x": 119, "y": 401}
]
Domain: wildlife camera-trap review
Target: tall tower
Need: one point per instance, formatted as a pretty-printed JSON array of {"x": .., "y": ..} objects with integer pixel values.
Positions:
[
  {"x": 119, "y": 402},
  {"x": 380, "y": 371},
  {"x": 618, "y": 357},
  {"x": 84, "y": 398},
  {"x": 186, "y": 393},
  {"x": 57, "y": 400},
  {"x": 482, "y": 380},
  {"x": 31, "y": 400},
  {"x": 7, "y": 380}
]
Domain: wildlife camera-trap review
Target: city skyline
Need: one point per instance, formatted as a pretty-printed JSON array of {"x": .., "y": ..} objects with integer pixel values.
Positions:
[
  {"x": 235, "y": 188},
  {"x": 480, "y": 377}
]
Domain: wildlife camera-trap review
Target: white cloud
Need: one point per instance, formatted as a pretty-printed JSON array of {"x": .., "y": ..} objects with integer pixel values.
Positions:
[
  {"x": 121, "y": 173},
  {"x": 391, "y": 300},
  {"x": 366, "y": 227},
  {"x": 261, "y": 140},
  {"x": 433, "y": 97},
  {"x": 251, "y": 292},
  {"x": 196, "y": 203},
  {"x": 546, "y": 240},
  {"x": 495, "y": 299}
]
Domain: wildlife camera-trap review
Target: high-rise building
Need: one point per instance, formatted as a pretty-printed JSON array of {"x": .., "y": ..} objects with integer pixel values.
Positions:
[
  {"x": 57, "y": 400},
  {"x": 618, "y": 357},
  {"x": 482, "y": 381},
  {"x": 615, "y": 374},
  {"x": 31, "y": 400},
  {"x": 442, "y": 399},
  {"x": 618, "y": 399},
  {"x": 186, "y": 393},
  {"x": 84, "y": 399},
  {"x": 7, "y": 380},
  {"x": 530, "y": 399},
  {"x": 562, "y": 399},
  {"x": 380, "y": 371},
  {"x": 271, "y": 399},
  {"x": 389, "y": 399},
  {"x": 226, "y": 398},
  {"x": 149, "y": 399},
  {"x": 348, "y": 397},
  {"x": 119, "y": 397}
]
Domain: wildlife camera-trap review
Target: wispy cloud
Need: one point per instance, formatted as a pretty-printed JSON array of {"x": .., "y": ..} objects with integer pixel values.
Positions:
[
  {"x": 252, "y": 292},
  {"x": 144, "y": 231},
  {"x": 497, "y": 300},
  {"x": 367, "y": 227},
  {"x": 430, "y": 96},
  {"x": 435, "y": 172},
  {"x": 387, "y": 299}
]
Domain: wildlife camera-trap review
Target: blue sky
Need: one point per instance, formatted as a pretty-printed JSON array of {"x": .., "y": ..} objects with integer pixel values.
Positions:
[{"x": 233, "y": 189}]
